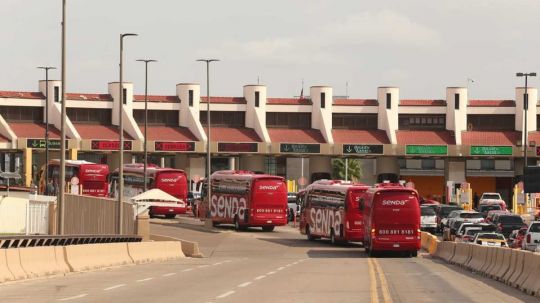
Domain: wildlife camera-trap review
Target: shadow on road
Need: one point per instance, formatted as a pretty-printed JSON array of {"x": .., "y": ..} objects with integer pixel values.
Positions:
[
  {"x": 306, "y": 243},
  {"x": 335, "y": 253}
]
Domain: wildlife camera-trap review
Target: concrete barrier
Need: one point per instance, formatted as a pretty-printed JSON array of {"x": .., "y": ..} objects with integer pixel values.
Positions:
[
  {"x": 518, "y": 268},
  {"x": 13, "y": 259},
  {"x": 505, "y": 264},
  {"x": 479, "y": 255},
  {"x": 5, "y": 273},
  {"x": 497, "y": 261},
  {"x": 144, "y": 252},
  {"x": 190, "y": 249},
  {"x": 446, "y": 250},
  {"x": 513, "y": 265},
  {"x": 461, "y": 254},
  {"x": 528, "y": 262},
  {"x": 433, "y": 245},
  {"x": 530, "y": 281},
  {"x": 489, "y": 261},
  {"x": 94, "y": 256},
  {"x": 42, "y": 261}
]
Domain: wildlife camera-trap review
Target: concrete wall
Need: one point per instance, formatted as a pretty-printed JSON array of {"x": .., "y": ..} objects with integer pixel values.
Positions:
[
  {"x": 256, "y": 116},
  {"x": 13, "y": 215},
  {"x": 531, "y": 112},
  {"x": 387, "y": 165},
  {"x": 253, "y": 163},
  {"x": 456, "y": 119},
  {"x": 319, "y": 164},
  {"x": 321, "y": 118},
  {"x": 189, "y": 115},
  {"x": 388, "y": 118}
]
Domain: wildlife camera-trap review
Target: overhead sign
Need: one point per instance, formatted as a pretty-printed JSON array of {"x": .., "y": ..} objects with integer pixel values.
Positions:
[
  {"x": 174, "y": 146},
  {"x": 40, "y": 143},
  {"x": 231, "y": 147},
  {"x": 491, "y": 150},
  {"x": 110, "y": 145},
  {"x": 362, "y": 149},
  {"x": 426, "y": 149},
  {"x": 300, "y": 148}
]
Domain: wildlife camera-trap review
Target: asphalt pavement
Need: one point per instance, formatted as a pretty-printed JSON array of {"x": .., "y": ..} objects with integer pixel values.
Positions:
[{"x": 256, "y": 266}]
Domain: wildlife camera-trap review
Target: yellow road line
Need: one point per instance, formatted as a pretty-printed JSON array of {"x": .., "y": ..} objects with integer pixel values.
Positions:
[
  {"x": 384, "y": 285},
  {"x": 373, "y": 282}
]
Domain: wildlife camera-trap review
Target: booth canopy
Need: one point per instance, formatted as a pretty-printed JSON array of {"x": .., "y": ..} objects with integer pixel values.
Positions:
[{"x": 154, "y": 195}]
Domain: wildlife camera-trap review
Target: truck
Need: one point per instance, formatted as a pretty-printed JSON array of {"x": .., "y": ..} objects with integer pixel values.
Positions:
[
  {"x": 532, "y": 237},
  {"x": 491, "y": 199}
]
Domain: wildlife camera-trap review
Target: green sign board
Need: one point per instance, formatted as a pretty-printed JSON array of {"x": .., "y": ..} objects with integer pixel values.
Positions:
[
  {"x": 491, "y": 150},
  {"x": 40, "y": 143},
  {"x": 299, "y": 148},
  {"x": 426, "y": 150}
]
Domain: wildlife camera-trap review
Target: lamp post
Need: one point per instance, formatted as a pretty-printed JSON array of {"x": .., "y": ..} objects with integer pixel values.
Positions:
[
  {"x": 62, "y": 177},
  {"x": 208, "y": 154},
  {"x": 146, "y": 61},
  {"x": 122, "y": 97},
  {"x": 46, "y": 68},
  {"x": 525, "y": 109}
]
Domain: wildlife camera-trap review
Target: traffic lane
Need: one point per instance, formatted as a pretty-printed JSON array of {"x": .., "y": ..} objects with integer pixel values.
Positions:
[
  {"x": 316, "y": 279},
  {"x": 427, "y": 279}
]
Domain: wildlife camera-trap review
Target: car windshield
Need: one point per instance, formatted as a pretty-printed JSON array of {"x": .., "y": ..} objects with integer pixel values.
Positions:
[
  {"x": 535, "y": 228},
  {"x": 491, "y": 196},
  {"x": 486, "y": 208},
  {"x": 510, "y": 219},
  {"x": 490, "y": 236},
  {"x": 445, "y": 211},
  {"x": 471, "y": 215},
  {"x": 427, "y": 211}
]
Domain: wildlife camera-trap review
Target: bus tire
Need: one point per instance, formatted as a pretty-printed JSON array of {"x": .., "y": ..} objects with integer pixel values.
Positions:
[
  {"x": 308, "y": 234},
  {"x": 372, "y": 253},
  {"x": 414, "y": 254},
  {"x": 170, "y": 216},
  {"x": 215, "y": 224},
  {"x": 237, "y": 226},
  {"x": 332, "y": 237},
  {"x": 268, "y": 228}
]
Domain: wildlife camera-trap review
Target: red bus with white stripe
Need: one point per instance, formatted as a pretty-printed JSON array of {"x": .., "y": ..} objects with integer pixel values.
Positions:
[
  {"x": 246, "y": 199},
  {"x": 170, "y": 180},
  {"x": 392, "y": 219},
  {"x": 92, "y": 178},
  {"x": 330, "y": 210}
]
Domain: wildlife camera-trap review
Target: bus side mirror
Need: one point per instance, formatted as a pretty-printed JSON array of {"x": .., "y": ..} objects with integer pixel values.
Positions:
[{"x": 361, "y": 205}]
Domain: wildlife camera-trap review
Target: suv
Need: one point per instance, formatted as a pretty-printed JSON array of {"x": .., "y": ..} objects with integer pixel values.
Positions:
[
  {"x": 506, "y": 223},
  {"x": 486, "y": 208},
  {"x": 467, "y": 216},
  {"x": 532, "y": 237},
  {"x": 492, "y": 213},
  {"x": 443, "y": 212},
  {"x": 428, "y": 219}
]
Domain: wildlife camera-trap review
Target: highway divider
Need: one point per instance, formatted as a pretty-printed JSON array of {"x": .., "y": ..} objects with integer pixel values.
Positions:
[
  {"x": 517, "y": 268},
  {"x": 31, "y": 262},
  {"x": 190, "y": 249}
]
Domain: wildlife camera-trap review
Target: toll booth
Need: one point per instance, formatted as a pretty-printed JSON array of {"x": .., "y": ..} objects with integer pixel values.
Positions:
[{"x": 459, "y": 193}]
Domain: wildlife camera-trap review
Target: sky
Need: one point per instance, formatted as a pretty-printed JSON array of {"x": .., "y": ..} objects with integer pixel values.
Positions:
[{"x": 420, "y": 46}]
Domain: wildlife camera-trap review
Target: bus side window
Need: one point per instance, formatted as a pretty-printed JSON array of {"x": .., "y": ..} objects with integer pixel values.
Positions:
[
  {"x": 203, "y": 190},
  {"x": 361, "y": 204}
]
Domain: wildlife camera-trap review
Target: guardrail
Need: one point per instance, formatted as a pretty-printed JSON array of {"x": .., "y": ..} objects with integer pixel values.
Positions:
[
  {"x": 517, "y": 268},
  {"x": 39, "y": 240}
]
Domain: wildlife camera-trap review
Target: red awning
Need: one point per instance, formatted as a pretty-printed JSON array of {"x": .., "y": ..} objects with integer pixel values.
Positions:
[
  {"x": 360, "y": 136},
  {"x": 168, "y": 133},
  {"x": 490, "y": 138},
  {"x": 96, "y": 131},
  {"x": 296, "y": 135},
  {"x": 33, "y": 130},
  {"x": 436, "y": 137},
  {"x": 227, "y": 134}
]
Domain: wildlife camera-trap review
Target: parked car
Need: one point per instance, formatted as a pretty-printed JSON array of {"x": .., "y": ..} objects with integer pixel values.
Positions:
[
  {"x": 462, "y": 229},
  {"x": 484, "y": 209},
  {"x": 468, "y": 234},
  {"x": 428, "y": 219},
  {"x": 492, "y": 199},
  {"x": 532, "y": 236},
  {"x": 490, "y": 239},
  {"x": 515, "y": 240},
  {"x": 492, "y": 213},
  {"x": 467, "y": 216},
  {"x": 506, "y": 223},
  {"x": 443, "y": 210},
  {"x": 292, "y": 206}
]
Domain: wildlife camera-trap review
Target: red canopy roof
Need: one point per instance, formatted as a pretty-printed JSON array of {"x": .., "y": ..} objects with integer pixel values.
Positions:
[
  {"x": 289, "y": 101},
  {"x": 356, "y": 102},
  {"x": 419, "y": 102},
  {"x": 492, "y": 103},
  {"x": 102, "y": 132},
  {"x": 435, "y": 137},
  {"x": 21, "y": 95},
  {"x": 296, "y": 135},
  {"x": 168, "y": 133},
  {"x": 490, "y": 138},
  {"x": 33, "y": 130},
  {"x": 360, "y": 136},
  {"x": 227, "y": 134}
]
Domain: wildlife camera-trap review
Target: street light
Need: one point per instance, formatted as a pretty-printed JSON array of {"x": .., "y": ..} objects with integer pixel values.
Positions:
[
  {"x": 525, "y": 108},
  {"x": 46, "y": 68},
  {"x": 208, "y": 155},
  {"x": 62, "y": 181},
  {"x": 121, "y": 134},
  {"x": 146, "y": 61}
]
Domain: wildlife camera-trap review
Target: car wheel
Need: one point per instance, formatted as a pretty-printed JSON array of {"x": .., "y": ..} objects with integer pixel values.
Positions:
[{"x": 268, "y": 228}]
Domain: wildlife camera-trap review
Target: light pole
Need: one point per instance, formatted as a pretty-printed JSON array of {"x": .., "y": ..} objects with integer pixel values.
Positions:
[
  {"x": 121, "y": 134},
  {"x": 62, "y": 177},
  {"x": 525, "y": 109},
  {"x": 46, "y": 68},
  {"x": 208, "y": 154},
  {"x": 146, "y": 61}
]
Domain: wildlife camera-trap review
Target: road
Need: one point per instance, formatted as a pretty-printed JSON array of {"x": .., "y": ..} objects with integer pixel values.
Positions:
[{"x": 267, "y": 267}]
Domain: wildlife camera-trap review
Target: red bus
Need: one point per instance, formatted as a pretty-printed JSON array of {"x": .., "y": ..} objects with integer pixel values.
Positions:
[
  {"x": 88, "y": 176},
  {"x": 391, "y": 219},
  {"x": 170, "y": 180},
  {"x": 246, "y": 199},
  {"x": 330, "y": 210}
]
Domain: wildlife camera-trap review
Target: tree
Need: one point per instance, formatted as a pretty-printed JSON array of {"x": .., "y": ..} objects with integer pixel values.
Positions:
[{"x": 354, "y": 171}]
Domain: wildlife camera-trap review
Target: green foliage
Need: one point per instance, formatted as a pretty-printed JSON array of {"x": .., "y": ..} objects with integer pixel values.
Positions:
[{"x": 354, "y": 171}]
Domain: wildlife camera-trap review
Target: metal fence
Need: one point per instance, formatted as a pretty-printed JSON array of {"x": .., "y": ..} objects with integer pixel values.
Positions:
[{"x": 85, "y": 215}]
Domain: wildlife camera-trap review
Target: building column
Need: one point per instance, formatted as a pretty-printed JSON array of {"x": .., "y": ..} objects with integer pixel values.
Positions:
[
  {"x": 454, "y": 170},
  {"x": 319, "y": 164},
  {"x": 232, "y": 163},
  {"x": 27, "y": 160},
  {"x": 73, "y": 152},
  {"x": 387, "y": 165}
]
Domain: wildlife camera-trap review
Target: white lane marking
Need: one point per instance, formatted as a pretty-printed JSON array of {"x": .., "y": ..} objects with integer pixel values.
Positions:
[
  {"x": 225, "y": 294},
  {"x": 260, "y": 277},
  {"x": 227, "y": 261},
  {"x": 114, "y": 287},
  {"x": 74, "y": 297},
  {"x": 271, "y": 273},
  {"x": 219, "y": 263},
  {"x": 187, "y": 269},
  {"x": 203, "y": 266},
  {"x": 288, "y": 265},
  {"x": 169, "y": 274},
  {"x": 295, "y": 263},
  {"x": 144, "y": 280},
  {"x": 244, "y": 284},
  {"x": 281, "y": 268}
]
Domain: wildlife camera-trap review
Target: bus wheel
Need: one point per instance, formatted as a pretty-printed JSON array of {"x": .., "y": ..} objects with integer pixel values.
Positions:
[
  {"x": 372, "y": 253},
  {"x": 170, "y": 216},
  {"x": 237, "y": 226},
  {"x": 268, "y": 228},
  {"x": 215, "y": 224},
  {"x": 332, "y": 237},
  {"x": 414, "y": 254},
  {"x": 308, "y": 234}
]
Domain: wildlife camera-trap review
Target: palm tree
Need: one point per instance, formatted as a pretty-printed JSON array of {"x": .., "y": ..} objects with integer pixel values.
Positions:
[{"x": 354, "y": 171}]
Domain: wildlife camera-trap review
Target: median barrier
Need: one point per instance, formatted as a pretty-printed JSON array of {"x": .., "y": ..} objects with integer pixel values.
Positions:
[
  {"x": 513, "y": 265},
  {"x": 461, "y": 254},
  {"x": 5, "y": 273},
  {"x": 497, "y": 262},
  {"x": 433, "y": 245},
  {"x": 489, "y": 261},
  {"x": 505, "y": 264},
  {"x": 190, "y": 249},
  {"x": 14, "y": 264},
  {"x": 447, "y": 250},
  {"x": 528, "y": 261},
  {"x": 95, "y": 256},
  {"x": 532, "y": 284},
  {"x": 42, "y": 261},
  {"x": 144, "y": 252},
  {"x": 518, "y": 268},
  {"x": 479, "y": 255}
]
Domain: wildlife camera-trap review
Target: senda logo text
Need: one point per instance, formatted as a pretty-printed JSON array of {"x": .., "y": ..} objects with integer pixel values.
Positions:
[
  {"x": 394, "y": 202},
  {"x": 268, "y": 187}
]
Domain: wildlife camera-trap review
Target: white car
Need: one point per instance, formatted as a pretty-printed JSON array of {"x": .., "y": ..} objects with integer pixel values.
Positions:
[
  {"x": 490, "y": 239},
  {"x": 428, "y": 219},
  {"x": 492, "y": 199},
  {"x": 532, "y": 237}
]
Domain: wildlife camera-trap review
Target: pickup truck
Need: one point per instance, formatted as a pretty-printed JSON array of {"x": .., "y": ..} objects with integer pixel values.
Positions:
[
  {"x": 532, "y": 237},
  {"x": 492, "y": 199}
]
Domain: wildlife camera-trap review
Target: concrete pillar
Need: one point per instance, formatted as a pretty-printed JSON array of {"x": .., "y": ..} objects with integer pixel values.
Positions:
[
  {"x": 197, "y": 167},
  {"x": 190, "y": 99},
  {"x": 252, "y": 163},
  {"x": 232, "y": 163},
  {"x": 456, "y": 110},
  {"x": 388, "y": 98},
  {"x": 27, "y": 160},
  {"x": 531, "y": 111},
  {"x": 143, "y": 226},
  {"x": 455, "y": 171},
  {"x": 386, "y": 165},
  {"x": 319, "y": 164},
  {"x": 255, "y": 96},
  {"x": 73, "y": 152},
  {"x": 321, "y": 114}
]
